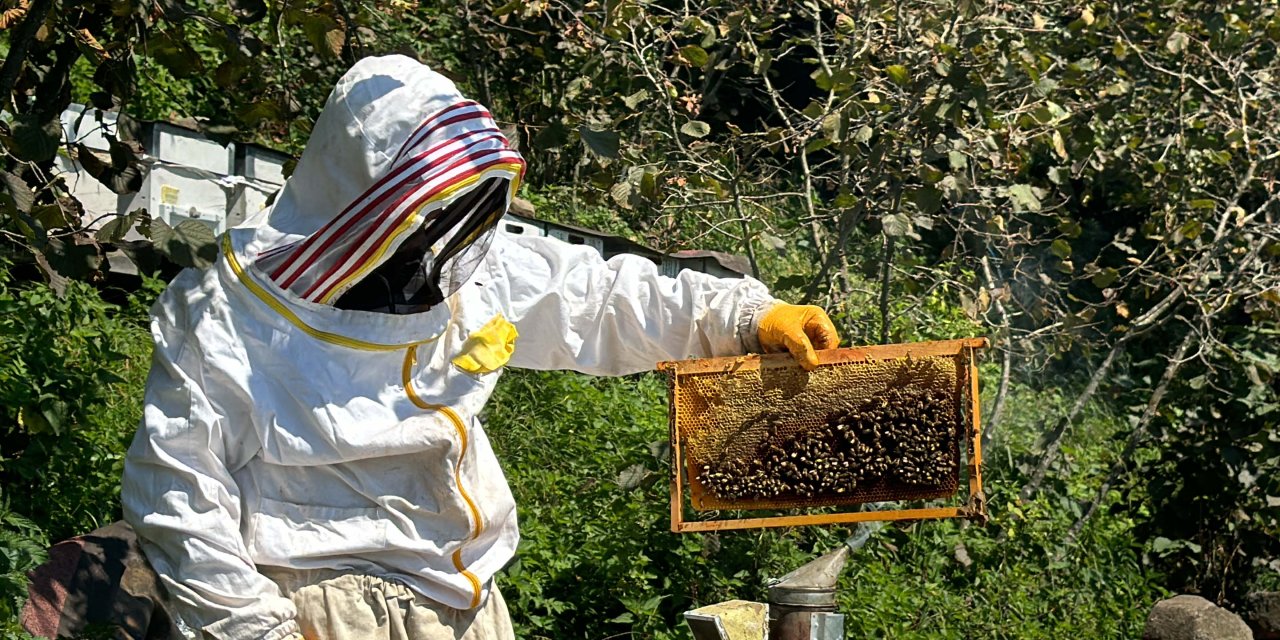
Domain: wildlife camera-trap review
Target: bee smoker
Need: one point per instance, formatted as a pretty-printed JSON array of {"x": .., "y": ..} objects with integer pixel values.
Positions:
[{"x": 801, "y": 606}]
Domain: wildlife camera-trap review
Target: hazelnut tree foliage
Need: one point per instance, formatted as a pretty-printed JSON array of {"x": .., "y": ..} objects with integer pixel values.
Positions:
[{"x": 1094, "y": 182}]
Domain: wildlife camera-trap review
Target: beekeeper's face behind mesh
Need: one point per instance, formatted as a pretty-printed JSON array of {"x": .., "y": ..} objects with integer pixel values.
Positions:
[
  {"x": 437, "y": 258},
  {"x": 395, "y": 199}
]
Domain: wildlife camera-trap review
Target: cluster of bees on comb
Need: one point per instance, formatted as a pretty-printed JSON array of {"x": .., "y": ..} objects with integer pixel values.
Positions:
[{"x": 905, "y": 436}]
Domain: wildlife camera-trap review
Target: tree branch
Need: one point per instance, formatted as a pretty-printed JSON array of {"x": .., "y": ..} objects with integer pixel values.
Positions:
[
  {"x": 1135, "y": 438},
  {"x": 886, "y": 265}
]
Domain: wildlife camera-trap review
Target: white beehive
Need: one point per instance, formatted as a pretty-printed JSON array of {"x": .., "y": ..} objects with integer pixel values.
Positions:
[
  {"x": 518, "y": 227},
  {"x": 261, "y": 164},
  {"x": 176, "y": 193},
  {"x": 174, "y": 145},
  {"x": 80, "y": 124},
  {"x": 187, "y": 178},
  {"x": 576, "y": 236},
  {"x": 250, "y": 198}
]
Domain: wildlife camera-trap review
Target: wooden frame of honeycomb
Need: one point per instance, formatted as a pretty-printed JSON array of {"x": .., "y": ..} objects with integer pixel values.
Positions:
[{"x": 740, "y": 425}]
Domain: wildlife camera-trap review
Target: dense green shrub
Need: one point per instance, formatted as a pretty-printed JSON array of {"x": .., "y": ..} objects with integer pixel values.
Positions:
[{"x": 70, "y": 391}]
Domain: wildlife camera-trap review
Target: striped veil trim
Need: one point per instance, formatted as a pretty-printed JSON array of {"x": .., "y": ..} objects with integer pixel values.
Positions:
[{"x": 447, "y": 154}]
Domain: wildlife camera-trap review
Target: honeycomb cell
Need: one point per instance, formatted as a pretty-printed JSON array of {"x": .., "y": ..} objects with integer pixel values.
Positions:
[{"x": 848, "y": 433}]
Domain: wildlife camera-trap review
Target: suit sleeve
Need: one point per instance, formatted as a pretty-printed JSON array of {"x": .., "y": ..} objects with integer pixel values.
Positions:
[
  {"x": 576, "y": 311},
  {"x": 179, "y": 496}
]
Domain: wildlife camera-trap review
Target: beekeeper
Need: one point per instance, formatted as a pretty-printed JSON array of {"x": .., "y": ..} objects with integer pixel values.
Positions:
[{"x": 310, "y": 460}]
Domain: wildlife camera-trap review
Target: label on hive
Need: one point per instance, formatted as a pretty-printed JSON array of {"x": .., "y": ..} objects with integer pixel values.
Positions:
[{"x": 844, "y": 434}]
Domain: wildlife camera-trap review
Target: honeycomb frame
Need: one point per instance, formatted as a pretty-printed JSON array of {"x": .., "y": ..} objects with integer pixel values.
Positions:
[{"x": 716, "y": 403}]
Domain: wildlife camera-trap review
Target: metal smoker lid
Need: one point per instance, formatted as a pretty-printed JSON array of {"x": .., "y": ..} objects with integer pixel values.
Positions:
[{"x": 812, "y": 585}]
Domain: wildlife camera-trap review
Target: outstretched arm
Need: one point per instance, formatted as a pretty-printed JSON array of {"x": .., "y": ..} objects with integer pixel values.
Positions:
[{"x": 574, "y": 310}]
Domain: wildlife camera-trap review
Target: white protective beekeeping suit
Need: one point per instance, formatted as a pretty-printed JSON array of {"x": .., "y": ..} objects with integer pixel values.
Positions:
[{"x": 313, "y": 397}]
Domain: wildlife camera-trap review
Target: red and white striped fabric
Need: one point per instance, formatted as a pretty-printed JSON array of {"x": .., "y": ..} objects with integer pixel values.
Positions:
[{"x": 449, "y": 154}]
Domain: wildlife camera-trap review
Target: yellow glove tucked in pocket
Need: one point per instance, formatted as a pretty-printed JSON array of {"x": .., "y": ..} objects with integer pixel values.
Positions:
[
  {"x": 489, "y": 347},
  {"x": 800, "y": 329}
]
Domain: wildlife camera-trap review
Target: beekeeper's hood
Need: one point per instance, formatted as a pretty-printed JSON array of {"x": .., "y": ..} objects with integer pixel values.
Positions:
[{"x": 395, "y": 198}]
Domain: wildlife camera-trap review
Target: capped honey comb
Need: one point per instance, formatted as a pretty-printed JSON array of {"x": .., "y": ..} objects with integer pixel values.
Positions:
[{"x": 871, "y": 424}]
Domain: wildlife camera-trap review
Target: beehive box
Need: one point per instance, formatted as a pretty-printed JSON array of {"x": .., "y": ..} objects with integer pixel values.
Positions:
[{"x": 878, "y": 424}]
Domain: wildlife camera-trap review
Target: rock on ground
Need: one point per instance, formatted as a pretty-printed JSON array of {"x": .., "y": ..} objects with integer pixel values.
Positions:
[
  {"x": 1193, "y": 618},
  {"x": 1262, "y": 612}
]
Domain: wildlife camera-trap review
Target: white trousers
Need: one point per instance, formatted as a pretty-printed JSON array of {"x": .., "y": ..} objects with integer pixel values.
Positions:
[{"x": 361, "y": 607}]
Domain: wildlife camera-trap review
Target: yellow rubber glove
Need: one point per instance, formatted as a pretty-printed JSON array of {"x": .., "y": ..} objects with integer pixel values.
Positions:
[{"x": 800, "y": 329}]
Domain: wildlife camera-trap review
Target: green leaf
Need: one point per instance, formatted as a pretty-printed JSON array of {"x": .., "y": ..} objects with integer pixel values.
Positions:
[
  {"x": 190, "y": 244},
  {"x": 259, "y": 111},
  {"x": 1044, "y": 87},
  {"x": 845, "y": 200},
  {"x": 43, "y": 418},
  {"x": 621, "y": 194},
  {"x": 833, "y": 128},
  {"x": 122, "y": 179},
  {"x": 71, "y": 259},
  {"x": 896, "y": 225},
  {"x": 51, "y": 216},
  {"x": 602, "y": 143},
  {"x": 116, "y": 228},
  {"x": 695, "y": 129},
  {"x": 1024, "y": 197},
  {"x": 33, "y": 140},
  {"x": 651, "y": 605},
  {"x": 18, "y": 190},
  {"x": 632, "y": 477},
  {"x": 1070, "y": 228},
  {"x": 1165, "y": 546},
  {"x": 552, "y": 136},
  {"x": 1177, "y": 42},
  {"x": 817, "y": 144},
  {"x": 763, "y": 62},
  {"x": 927, "y": 199},
  {"x": 649, "y": 185},
  {"x": 634, "y": 100},
  {"x": 173, "y": 53},
  {"x": 898, "y": 74},
  {"x": 324, "y": 32},
  {"x": 845, "y": 25},
  {"x": 821, "y": 79},
  {"x": 1191, "y": 229},
  {"x": 1105, "y": 278},
  {"x": 694, "y": 55},
  {"x": 957, "y": 160},
  {"x": 793, "y": 281},
  {"x": 508, "y": 8},
  {"x": 1060, "y": 248},
  {"x": 661, "y": 450},
  {"x": 1203, "y": 203}
]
